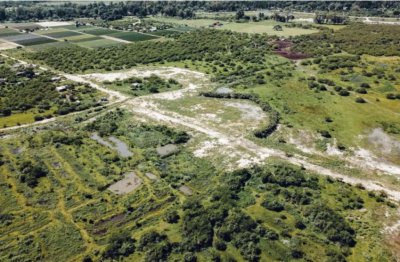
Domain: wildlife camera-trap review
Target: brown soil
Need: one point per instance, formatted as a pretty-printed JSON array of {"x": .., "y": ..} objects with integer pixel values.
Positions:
[
  {"x": 282, "y": 51},
  {"x": 291, "y": 55}
]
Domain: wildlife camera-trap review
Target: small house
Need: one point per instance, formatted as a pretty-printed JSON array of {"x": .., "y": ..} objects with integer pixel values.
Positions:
[
  {"x": 61, "y": 88},
  {"x": 152, "y": 29}
]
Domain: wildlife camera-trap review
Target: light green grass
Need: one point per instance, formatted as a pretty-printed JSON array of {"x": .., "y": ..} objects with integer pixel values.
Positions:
[
  {"x": 250, "y": 27},
  {"x": 99, "y": 43}
]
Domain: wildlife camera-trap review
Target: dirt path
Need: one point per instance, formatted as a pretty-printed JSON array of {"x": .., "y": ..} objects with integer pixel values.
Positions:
[
  {"x": 116, "y": 39},
  {"x": 232, "y": 144}
]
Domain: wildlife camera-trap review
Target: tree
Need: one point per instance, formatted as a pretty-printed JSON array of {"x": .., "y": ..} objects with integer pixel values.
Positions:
[
  {"x": 7, "y": 112},
  {"x": 278, "y": 28},
  {"x": 171, "y": 216},
  {"x": 239, "y": 14}
]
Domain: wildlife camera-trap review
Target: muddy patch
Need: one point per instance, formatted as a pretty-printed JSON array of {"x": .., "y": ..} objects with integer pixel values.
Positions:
[
  {"x": 151, "y": 176},
  {"x": 285, "y": 52},
  {"x": 249, "y": 111},
  {"x": 129, "y": 183},
  {"x": 120, "y": 146},
  {"x": 18, "y": 150},
  {"x": 186, "y": 190},
  {"x": 166, "y": 150},
  {"x": 56, "y": 164}
]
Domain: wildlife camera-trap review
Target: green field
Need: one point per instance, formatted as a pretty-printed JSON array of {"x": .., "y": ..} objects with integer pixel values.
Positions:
[
  {"x": 43, "y": 47},
  {"x": 100, "y": 31},
  {"x": 133, "y": 37},
  {"x": 8, "y": 32},
  {"x": 62, "y": 34},
  {"x": 163, "y": 32},
  {"x": 99, "y": 43}
]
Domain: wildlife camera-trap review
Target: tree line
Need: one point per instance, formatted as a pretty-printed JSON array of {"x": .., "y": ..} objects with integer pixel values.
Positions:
[{"x": 23, "y": 11}]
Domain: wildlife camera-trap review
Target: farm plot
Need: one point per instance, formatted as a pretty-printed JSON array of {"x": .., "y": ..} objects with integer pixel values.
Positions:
[
  {"x": 184, "y": 29},
  {"x": 164, "y": 32},
  {"x": 43, "y": 47},
  {"x": 62, "y": 34},
  {"x": 82, "y": 38},
  {"x": 133, "y": 37},
  {"x": 99, "y": 43},
  {"x": 74, "y": 28},
  {"x": 7, "y": 32},
  {"x": 28, "y": 39},
  {"x": 101, "y": 31},
  {"x": 28, "y": 26},
  {"x": 51, "y": 30}
]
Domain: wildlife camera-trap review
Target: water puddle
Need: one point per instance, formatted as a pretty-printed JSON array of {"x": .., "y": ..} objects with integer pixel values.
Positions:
[
  {"x": 167, "y": 149},
  {"x": 129, "y": 183},
  {"x": 120, "y": 146}
]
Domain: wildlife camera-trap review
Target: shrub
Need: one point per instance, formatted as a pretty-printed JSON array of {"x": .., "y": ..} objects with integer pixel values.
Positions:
[
  {"x": 361, "y": 91},
  {"x": 220, "y": 245},
  {"x": 344, "y": 93},
  {"x": 360, "y": 100},
  {"x": 365, "y": 85},
  {"x": 390, "y": 96},
  {"x": 38, "y": 118}
]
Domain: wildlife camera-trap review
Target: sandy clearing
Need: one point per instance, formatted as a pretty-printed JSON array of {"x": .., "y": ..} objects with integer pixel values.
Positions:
[
  {"x": 167, "y": 72},
  {"x": 78, "y": 78},
  {"x": 249, "y": 111},
  {"x": 7, "y": 45},
  {"x": 50, "y": 24}
]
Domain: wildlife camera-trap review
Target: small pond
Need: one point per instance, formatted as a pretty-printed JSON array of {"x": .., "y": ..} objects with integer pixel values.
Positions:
[
  {"x": 120, "y": 146},
  {"x": 126, "y": 185},
  {"x": 167, "y": 149},
  {"x": 223, "y": 90},
  {"x": 151, "y": 176}
]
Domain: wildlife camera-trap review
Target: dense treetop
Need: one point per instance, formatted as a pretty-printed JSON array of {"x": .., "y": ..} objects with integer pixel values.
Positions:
[
  {"x": 113, "y": 11},
  {"x": 208, "y": 45},
  {"x": 357, "y": 39}
]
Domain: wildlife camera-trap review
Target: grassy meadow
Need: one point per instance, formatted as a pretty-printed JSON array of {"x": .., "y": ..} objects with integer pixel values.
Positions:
[{"x": 250, "y": 27}]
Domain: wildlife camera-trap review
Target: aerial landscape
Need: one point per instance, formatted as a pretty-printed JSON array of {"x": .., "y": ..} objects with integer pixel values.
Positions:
[{"x": 198, "y": 131}]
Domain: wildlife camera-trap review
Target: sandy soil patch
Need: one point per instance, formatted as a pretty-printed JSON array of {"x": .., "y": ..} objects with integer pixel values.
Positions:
[
  {"x": 5, "y": 46},
  {"x": 50, "y": 24},
  {"x": 383, "y": 142},
  {"x": 129, "y": 183},
  {"x": 186, "y": 190}
]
